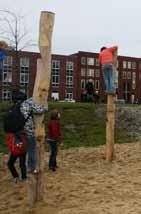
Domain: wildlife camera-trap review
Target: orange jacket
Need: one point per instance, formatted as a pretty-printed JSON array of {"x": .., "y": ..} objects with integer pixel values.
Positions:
[{"x": 106, "y": 56}]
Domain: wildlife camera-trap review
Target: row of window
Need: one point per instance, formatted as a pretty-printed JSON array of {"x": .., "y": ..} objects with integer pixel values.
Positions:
[
  {"x": 24, "y": 71},
  {"x": 7, "y": 93},
  {"x": 95, "y": 83},
  {"x": 129, "y": 75},
  {"x": 7, "y": 70},
  {"x": 55, "y": 75},
  {"x": 94, "y": 61},
  {"x": 89, "y": 61},
  {"x": 8, "y": 61},
  {"x": 129, "y": 65},
  {"x": 90, "y": 72}
]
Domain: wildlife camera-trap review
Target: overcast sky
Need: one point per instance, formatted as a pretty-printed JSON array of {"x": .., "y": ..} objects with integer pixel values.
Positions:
[{"x": 85, "y": 25}]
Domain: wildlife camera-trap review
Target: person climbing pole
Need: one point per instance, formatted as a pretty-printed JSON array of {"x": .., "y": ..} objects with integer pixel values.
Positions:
[
  {"x": 3, "y": 46},
  {"x": 106, "y": 59}
]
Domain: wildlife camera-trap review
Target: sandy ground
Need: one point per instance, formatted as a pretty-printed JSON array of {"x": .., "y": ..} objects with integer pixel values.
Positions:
[{"x": 84, "y": 184}]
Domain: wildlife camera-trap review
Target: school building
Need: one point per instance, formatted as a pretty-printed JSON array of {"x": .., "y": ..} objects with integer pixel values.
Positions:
[{"x": 69, "y": 75}]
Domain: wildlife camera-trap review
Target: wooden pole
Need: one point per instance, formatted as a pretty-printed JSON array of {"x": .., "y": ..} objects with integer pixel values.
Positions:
[
  {"x": 40, "y": 95},
  {"x": 110, "y": 123},
  {"x": 110, "y": 127}
]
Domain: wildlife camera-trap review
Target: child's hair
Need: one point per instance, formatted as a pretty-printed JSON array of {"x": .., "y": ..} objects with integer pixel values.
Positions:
[
  {"x": 54, "y": 114},
  {"x": 103, "y": 48},
  {"x": 18, "y": 96}
]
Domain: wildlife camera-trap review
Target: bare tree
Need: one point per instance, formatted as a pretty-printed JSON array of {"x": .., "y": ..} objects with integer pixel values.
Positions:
[{"x": 14, "y": 30}]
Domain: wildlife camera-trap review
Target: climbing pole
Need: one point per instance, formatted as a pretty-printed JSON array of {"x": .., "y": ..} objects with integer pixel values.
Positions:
[
  {"x": 110, "y": 121},
  {"x": 40, "y": 94}
]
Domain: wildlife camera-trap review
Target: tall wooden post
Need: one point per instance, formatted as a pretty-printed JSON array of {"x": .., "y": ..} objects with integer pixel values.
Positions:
[
  {"x": 40, "y": 95},
  {"x": 110, "y": 123},
  {"x": 110, "y": 127}
]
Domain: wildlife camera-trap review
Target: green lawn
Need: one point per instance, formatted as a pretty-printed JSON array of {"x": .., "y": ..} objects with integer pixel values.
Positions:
[{"x": 79, "y": 124}]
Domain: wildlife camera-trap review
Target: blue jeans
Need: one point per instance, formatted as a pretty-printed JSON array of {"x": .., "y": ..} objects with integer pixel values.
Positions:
[
  {"x": 53, "y": 154},
  {"x": 109, "y": 77},
  {"x": 32, "y": 152}
]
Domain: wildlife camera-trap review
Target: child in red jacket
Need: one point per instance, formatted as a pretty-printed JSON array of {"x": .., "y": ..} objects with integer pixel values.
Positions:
[
  {"x": 54, "y": 138},
  {"x": 18, "y": 151}
]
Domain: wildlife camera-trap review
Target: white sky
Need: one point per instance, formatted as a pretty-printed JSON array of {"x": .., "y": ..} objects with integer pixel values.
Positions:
[{"x": 85, "y": 25}]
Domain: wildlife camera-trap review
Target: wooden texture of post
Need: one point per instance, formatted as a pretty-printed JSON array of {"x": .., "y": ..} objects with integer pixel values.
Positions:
[
  {"x": 110, "y": 127},
  {"x": 110, "y": 123},
  {"x": 40, "y": 95}
]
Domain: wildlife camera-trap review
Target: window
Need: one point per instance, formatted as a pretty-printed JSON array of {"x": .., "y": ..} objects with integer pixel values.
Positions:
[
  {"x": 6, "y": 94},
  {"x": 83, "y": 60},
  {"x": 83, "y": 72},
  {"x": 90, "y": 61},
  {"x": 90, "y": 72},
  {"x": 124, "y": 64},
  {"x": 97, "y": 62},
  {"x": 133, "y": 86},
  {"x": 128, "y": 75},
  {"x": 69, "y": 95},
  {"x": 117, "y": 64},
  {"x": 134, "y": 76},
  {"x": 129, "y": 65},
  {"x": 24, "y": 62},
  {"x": 134, "y": 65},
  {"x": 23, "y": 90},
  {"x": 97, "y": 73},
  {"x": 69, "y": 74},
  {"x": 97, "y": 84},
  {"x": 124, "y": 76},
  {"x": 55, "y": 95},
  {"x": 90, "y": 81},
  {"x": 83, "y": 84},
  {"x": 24, "y": 71},
  {"x": 55, "y": 73},
  {"x": 116, "y": 78},
  {"x": 134, "y": 80},
  {"x": 7, "y": 70}
]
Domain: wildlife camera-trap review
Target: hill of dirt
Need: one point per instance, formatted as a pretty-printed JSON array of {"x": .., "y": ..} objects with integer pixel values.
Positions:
[{"x": 83, "y": 184}]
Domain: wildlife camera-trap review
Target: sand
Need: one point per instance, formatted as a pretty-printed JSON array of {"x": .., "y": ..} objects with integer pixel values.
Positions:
[{"x": 84, "y": 184}]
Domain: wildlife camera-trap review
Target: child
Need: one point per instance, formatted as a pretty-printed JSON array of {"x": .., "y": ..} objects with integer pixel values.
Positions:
[
  {"x": 106, "y": 58},
  {"x": 54, "y": 138},
  {"x": 18, "y": 151},
  {"x": 16, "y": 139},
  {"x": 28, "y": 108}
]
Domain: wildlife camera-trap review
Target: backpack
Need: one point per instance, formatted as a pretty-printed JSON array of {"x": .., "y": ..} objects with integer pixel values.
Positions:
[{"x": 14, "y": 120}]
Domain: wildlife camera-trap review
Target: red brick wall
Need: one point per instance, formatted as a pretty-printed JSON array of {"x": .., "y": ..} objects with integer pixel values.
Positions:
[{"x": 76, "y": 58}]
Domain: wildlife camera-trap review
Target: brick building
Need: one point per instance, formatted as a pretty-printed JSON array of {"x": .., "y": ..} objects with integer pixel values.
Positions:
[{"x": 70, "y": 75}]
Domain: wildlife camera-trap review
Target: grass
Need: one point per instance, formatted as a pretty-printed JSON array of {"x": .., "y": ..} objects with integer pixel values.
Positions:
[{"x": 80, "y": 125}]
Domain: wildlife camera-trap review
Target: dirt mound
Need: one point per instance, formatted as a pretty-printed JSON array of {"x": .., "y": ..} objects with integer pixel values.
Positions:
[{"x": 84, "y": 184}]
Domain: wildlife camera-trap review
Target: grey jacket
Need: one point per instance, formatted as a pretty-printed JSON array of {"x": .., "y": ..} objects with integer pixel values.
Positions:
[{"x": 28, "y": 108}]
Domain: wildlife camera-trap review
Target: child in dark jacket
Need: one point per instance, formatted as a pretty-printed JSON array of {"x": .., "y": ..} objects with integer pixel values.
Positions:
[
  {"x": 54, "y": 138},
  {"x": 17, "y": 142}
]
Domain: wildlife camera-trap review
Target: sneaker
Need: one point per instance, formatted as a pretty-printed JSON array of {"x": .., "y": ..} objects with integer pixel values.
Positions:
[
  {"x": 35, "y": 171},
  {"x": 52, "y": 169},
  {"x": 15, "y": 180},
  {"x": 23, "y": 179}
]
